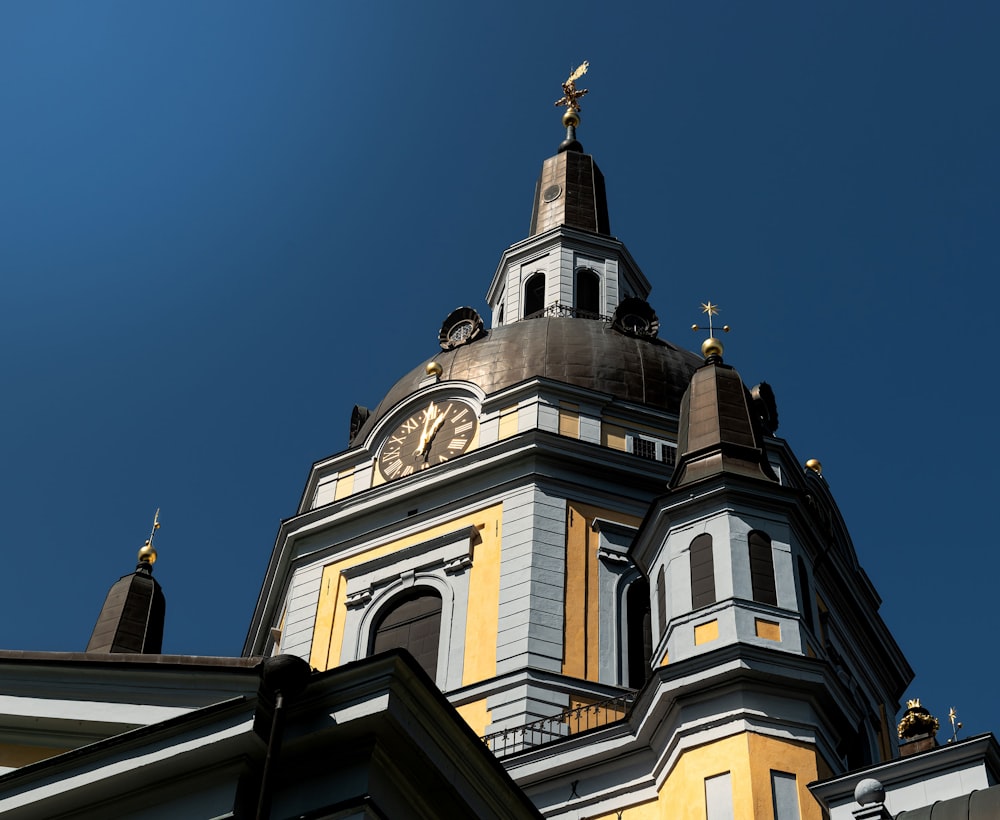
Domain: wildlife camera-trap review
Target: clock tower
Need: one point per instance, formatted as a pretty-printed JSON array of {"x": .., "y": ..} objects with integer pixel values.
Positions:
[{"x": 595, "y": 544}]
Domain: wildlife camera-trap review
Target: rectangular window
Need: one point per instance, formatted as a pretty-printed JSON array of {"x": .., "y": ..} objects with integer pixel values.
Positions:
[
  {"x": 719, "y": 797},
  {"x": 785, "y": 795},
  {"x": 651, "y": 448}
]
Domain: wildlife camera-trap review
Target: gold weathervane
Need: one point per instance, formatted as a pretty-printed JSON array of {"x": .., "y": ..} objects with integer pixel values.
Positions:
[
  {"x": 570, "y": 92},
  {"x": 711, "y": 346},
  {"x": 147, "y": 555}
]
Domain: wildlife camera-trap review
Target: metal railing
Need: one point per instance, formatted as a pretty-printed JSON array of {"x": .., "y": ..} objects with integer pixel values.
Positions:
[
  {"x": 570, "y": 722},
  {"x": 559, "y": 309}
]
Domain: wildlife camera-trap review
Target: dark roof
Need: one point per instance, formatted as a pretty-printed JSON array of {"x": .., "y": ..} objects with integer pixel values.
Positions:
[
  {"x": 977, "y": 805},
  {"x": 582, "y": 352}
]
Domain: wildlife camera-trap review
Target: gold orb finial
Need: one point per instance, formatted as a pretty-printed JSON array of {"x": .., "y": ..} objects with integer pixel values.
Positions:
[
  {"x": 711, "y": 347},
  {"x": 434, "y": 369},
  {"x": 814, "y": 465},
  {"x": 147, "y": 555},
  {"x": 571, "y": 119}
]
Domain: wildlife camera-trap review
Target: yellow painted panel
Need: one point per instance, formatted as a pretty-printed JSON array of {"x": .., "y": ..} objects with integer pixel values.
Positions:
[
  {"x": 569, "y": 420},
  {"x": 703, "y": 633},
  {"x": 613, "y": 436},
  {"x": 666, "y": 659},
  {"x": 769, "y": 754},
  {"x": 14, "y": 756},
  {"x": 328, "y": 631},
  {"x": 345, "y": 485},
  {"x": 476, "y": 715},
  {"x": 642, "y": 811},
  {"x": 657, "y": 432},
  {"x": 770, "y": 630},
  {"x": 508, "y": 422},
  {"x": 482, "y": 620},
  {"x": 749, "y": 759},
  {"x": 581, "y": 639}
]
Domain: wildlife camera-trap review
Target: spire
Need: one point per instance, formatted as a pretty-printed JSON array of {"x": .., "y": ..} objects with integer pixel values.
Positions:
[
  {"x": 133, "y": 613},
  {"x": 719, "y": 431},
  {"x": 570, "y": 190}
]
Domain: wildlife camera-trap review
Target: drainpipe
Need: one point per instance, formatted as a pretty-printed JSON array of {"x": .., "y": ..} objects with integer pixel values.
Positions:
[{"x": 282, "y": 680}]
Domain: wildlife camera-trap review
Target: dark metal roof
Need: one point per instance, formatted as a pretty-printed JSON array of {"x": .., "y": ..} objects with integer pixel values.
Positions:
[
  {"x": 977, "y": 805},
  {"x": 581, "y": 352}
]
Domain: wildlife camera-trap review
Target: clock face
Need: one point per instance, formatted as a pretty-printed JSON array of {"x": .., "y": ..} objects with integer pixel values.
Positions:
[{"x": 432, "y": 435}]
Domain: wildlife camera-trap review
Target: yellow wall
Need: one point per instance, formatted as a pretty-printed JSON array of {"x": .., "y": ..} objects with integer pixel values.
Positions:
[
  {"x": 581, "y": 652},
  {"x": 476, "y": 715},
  {"x": 708, "y": 631},
  {"x": 484, "y": 595},
  {"x": 508, "y": 422},
  {"x": 771, "y": 630},
  {"x": 613, "y": 436},
  {"x": 749, "y": 758},
  {"x": 643, "y": 811},
  {"x": 569, "y": 419},
  {"x": 14, "y": 756}
]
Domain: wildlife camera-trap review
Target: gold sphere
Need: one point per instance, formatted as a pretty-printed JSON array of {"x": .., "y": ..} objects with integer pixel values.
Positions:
[
  {"x": 147, "y": 555},
  {"x": 571, "y": 118},
  {"x": 814, "y": 465},
  {"x": 711, "y": 347},
  {"x": 434, "y": 369}
]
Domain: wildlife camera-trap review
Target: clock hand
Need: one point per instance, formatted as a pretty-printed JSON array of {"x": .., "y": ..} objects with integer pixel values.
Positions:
[
  {"x": 426, "y": 435},
  {"x": 434, "y": 429}
]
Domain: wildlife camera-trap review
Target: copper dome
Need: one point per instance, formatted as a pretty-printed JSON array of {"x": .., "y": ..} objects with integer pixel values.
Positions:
[{"x": 581, "y": 352}]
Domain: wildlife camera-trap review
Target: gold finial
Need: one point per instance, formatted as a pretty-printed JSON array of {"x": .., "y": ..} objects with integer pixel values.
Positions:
[
  {"x": 147, "y": 555},
  {"x": 434, "y": 369},
  {"x": 956, "y": 724},
  {"x": 814, "y": 465},
  {"x": 571, "y": 94},
  {"x": 711, "y": 346},
  {"x": 917, "y": 721}
]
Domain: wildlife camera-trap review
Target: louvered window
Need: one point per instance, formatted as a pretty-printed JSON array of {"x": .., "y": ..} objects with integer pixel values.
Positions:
[
  {"x": 413, "y": 623},
  {"x": 702, "y": 572}
]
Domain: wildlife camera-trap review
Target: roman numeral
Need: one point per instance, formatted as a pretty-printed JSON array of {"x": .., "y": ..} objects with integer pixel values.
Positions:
[
  {"x": 394, "y": 468},
  {"x": 457, "y": 443},
  {"x": 408, "y": 470},
  {"x": 456, "y": 418},
  {"x": 464, "y": 428},
  {"x": 410, "y": 425},
  {"x": 389, "y": 454}
]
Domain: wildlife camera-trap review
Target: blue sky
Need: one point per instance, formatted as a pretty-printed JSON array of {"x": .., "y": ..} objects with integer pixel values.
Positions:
[{"x": 222, "y": 225}]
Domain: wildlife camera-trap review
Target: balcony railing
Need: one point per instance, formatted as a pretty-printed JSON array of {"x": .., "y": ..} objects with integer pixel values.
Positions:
[
  {"x": 559, "y": 309},
  {"x": 561, "y": 726}
]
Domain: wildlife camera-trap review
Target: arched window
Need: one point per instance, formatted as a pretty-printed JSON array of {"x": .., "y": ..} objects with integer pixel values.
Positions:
[
  {"x": 588, "y": 292},
  {"x": 412, "y": 622},
  {"x": 534, "y": 295},
  {"x": 804, "y": 593},
  {"x": 762, "y": 568},
  {"x": 640, "y": 633},
  {"x": 702, "y": 571}
]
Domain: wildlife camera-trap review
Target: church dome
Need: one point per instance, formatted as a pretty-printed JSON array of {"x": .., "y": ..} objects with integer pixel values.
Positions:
[{"x": 584, "y": 353}]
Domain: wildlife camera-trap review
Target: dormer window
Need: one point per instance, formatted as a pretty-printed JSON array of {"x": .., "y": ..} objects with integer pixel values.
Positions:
[
  {"x": 534, "y": 296},
  {"x": 588, "y": 294}
]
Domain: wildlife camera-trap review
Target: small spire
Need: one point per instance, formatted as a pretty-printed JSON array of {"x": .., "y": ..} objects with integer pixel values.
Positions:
[
  {"x": 711, "y": 348},
  {"x": 132, "y": 617},
  {"x": 570, "y": 99}
]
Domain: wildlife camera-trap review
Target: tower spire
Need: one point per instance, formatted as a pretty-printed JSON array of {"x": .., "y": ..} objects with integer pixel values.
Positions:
[
  {"x": 570, "y": 189},
  {"x": 132, "y": 617}
]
